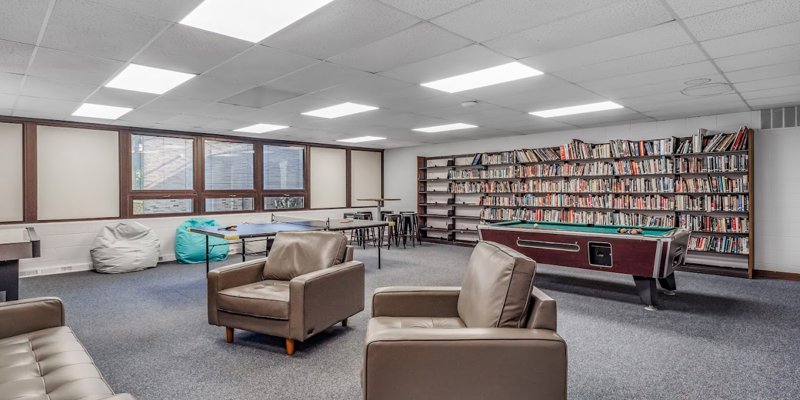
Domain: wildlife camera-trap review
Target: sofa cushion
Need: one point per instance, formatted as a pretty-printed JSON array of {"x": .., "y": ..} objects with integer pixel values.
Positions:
[
  {"x": 497, "y": 287},
  {"x": 266, "y": 299},
  {"x": 297, "y": 253},
  {"x": 383, "y": 323},
  {"x": 49, "y": 364}
]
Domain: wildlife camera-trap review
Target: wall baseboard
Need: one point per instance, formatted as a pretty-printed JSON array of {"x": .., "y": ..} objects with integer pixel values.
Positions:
[
  {"x": 789, "y": 276},
  {"x": 54, "y": 270}
]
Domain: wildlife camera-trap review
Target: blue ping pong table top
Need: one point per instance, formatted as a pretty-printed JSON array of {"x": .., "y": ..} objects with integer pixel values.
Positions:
[{"x": 243, "y": 231}]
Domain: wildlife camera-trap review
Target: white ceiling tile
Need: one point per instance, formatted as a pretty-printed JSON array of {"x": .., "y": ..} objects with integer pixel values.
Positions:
[
  {"x": 259, "y": 97},
  {"x": 773, "y": 92},
  {"x": 463, "y": 60},
  {"x": 185, "y": 49},
  {"x": 776, "y": 36},
  {"x": 172, "y": 10},
  {"x": 185, "y": 120},
  {"x": 258, "y": 65},
  {"x": 681, "y": 73},
  {"x": 52, "y": 108},
  {"x": 69, "y": 67},
  {"x": 771, "y": 83},
  {"x": 7, "y": 102},
  {"x": 319, "y": 76},
  {"x": 688, "y": 8},
  {"x": 743, "y": 18},
  {"x": 10, "y": 83},
  {"x": 417, "y": 99},
  {"x": 340, "y": 26},
  {"x": 596, "y": 24},
  {"x": 21, "y": 20},
  {"x": 427, "y": 9},
  {"x": 675, "y": 86},
  {"x": 659, "y": 37},
  {"x": 766, "y": 72},
  {"x": 689, "y": 103},
  {"x": 222, "y": 110},
  {"x": 94, "y": 29},
  {"x": 15, "y": 56},
  {"x": 760, "y": 58},
  {"x": 597, "y": 118},
  {"x": 294, "y": 107},
  {"x": 225, "y": 124},
  {"x": 207, "y": 89},
  {"x": 173, "y": 106},
  {"x": 777, "y": 101},
  {"x": 120, "y": 98},
  {"x": 140, "y": 116},
  {"x": 414, "y": 44},
  {"x": 489, "y": 19},
  {"x": 680, "y": 55},
  {"x": 59, "y": 90},
  {"x": 561, "y": 96},
  {"x": 696, "y": 110},
  {"x": 364, "y": 90},
  {"x": 530, "y": 86}
]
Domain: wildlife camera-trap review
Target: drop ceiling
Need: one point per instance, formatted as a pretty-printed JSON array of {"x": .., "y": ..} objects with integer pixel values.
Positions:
[{"x": 643, "y": 54}]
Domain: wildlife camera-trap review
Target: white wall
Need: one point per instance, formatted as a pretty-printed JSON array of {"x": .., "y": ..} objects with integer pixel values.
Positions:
[
  {"x": 777, "y": 221},
  {"x": 66, "y": 245}
]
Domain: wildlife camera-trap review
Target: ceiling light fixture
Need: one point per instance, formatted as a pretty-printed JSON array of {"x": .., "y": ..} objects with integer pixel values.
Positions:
[
  {"x": 485, "y": 77},
  {"x": 444, "y": 128},
  {"x": 361, "y": 139},
  {"x": 340, "y": 110},
  {"x": 140, "y": 78},
  {"x": 260, "y": 128},
  {"x": 100, "y": 111},
  {"x": 249, "y": 20},
  {"x": 585, "y": 108}
]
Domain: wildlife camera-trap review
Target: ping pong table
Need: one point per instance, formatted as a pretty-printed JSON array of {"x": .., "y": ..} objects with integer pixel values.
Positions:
[{"x": 249, "y": 232}]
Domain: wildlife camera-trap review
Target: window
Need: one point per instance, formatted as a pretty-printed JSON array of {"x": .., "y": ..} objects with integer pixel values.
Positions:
[
  {"x": 285, "y": 202},
  {"x": 162, "y": 206},
  {"x": 11, "y": 172},
  {"x": 228, "y": 165},
  {"x": 230, "y": 204},
  {"x": 162, "y": 163},
  {"x": 283, "y": 167},
  {"x": 77, "y": 173}
]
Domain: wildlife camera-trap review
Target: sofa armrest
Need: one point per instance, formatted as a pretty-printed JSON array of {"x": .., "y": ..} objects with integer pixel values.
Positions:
[
  {"x": 543, "y": 311},
  {"x": 424, "y": 301},
  {"x": 466, "y": 364},
  {"x": 320, "y": 299},
  {"x": 228, "y": 277},
  {"x": 30, "y": 315}
]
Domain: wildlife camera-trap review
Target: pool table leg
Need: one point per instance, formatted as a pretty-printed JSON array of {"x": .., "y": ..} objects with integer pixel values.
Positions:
[
  {"x": 648, "y": 291},
  {"x": 668, "y": 284}
]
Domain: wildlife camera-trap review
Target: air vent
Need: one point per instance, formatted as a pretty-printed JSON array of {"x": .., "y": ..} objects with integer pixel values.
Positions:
[{"x": 780, "y": 117}]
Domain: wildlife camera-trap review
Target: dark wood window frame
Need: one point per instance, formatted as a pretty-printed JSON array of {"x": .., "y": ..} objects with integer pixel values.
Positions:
[{"x": 198, "y": 195}]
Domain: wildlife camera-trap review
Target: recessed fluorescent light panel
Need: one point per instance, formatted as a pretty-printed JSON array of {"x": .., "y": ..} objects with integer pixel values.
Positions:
[
  {"x": 445, "y": 128},
  {"x": 361, "y": 139},
  {"x": 340, "y": 110},
  {"x": 100, "y": 111},
  {"x": 250, "y": 20},
  {"x": 260, "y": 128},
  {"x": 485, "y": 77},
  {"x": 585, "y": 108},
  {"x": 140, "y": 78}
]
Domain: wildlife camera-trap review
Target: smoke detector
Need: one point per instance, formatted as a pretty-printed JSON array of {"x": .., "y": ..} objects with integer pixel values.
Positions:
[
  {"x": 705, "y": 87},
  {"x": 469, "y": 104}
]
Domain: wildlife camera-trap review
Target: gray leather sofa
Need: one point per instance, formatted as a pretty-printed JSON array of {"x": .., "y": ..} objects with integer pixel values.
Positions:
[
  {"x": 308, "y": 283},
  {"x": 492, "y": 338},
  {"x": 40, "y": 358}
]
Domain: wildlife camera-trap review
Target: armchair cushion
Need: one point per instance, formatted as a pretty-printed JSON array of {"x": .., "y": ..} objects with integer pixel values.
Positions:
[
  {"x": 267, "y": 299},
  {"x": 384, "y": 323},
  {"x": 297, "y": 253},
  {"x": 497, "y": 287}
]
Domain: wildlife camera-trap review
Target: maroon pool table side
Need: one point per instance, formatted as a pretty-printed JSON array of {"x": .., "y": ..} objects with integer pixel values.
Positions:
[{"x": 649, "y": 259}]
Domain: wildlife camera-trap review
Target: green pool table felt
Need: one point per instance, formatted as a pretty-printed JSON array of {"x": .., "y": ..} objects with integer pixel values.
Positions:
[{"x": 604, "y": 229}]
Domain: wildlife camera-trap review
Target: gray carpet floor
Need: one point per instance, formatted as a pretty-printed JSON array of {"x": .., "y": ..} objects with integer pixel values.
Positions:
[{"x": 719, "y": 338}]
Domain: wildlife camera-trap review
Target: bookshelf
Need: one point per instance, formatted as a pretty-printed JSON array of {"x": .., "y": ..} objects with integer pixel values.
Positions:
[{"x": 702, "y": 182}]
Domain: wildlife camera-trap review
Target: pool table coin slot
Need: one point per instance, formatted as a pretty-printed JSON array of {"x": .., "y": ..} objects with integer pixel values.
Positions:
[
  {"x": 600, "y": 254},
  {"x": 538, "y": 244}
]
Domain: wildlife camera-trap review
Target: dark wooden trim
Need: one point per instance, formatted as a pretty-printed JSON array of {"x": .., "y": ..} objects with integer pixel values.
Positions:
[
  {"x": 788, "y": 276},
  {"x": 125, "y": 172},
  {"x": 307, "y": 176},
  {"x": 348, "y": 172},
  {"x": 30, "y": 188},
  {"x": 751, "y": 257}
]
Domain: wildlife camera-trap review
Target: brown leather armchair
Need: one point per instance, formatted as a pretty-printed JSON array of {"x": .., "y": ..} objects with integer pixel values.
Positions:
[
  {"x": 309, "y": 282},
  {"x": 493, "y": 338}
]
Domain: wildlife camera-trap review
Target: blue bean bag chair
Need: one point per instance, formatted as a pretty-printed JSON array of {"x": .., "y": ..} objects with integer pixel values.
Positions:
[{"x": 190, "y": 248}]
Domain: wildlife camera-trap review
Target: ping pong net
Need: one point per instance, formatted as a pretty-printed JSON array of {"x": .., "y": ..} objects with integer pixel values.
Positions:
[{"x": 303, "y": 221}]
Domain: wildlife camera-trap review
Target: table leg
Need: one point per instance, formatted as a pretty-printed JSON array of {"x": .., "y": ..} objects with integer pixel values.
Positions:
[
  {"x": 243, "y": 251},
  {"x": 207, "y": 262},
  {"x": 9, "y": 280},
  {"x": 668, "y": 284},
  {"x": 648, "y": 292},
  {"x": 379, "y": 257}
]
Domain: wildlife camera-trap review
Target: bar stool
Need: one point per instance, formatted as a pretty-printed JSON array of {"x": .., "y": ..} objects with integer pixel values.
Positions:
[
  {"x": 365, "y": 234},
  {"x": 352, "y": 235},
  {"x": 393, "y": 230},
  {"x": 409, "y": 227},
  {"x": 384, "y": 231}
]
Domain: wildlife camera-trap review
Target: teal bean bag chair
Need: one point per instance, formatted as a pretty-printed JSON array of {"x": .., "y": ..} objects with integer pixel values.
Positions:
[{"x": 190, "y": 248}]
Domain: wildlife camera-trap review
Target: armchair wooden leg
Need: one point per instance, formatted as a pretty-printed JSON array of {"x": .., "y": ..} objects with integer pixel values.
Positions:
[
  {"x": 344, "y": 322},
  {"x": 229, "y": 334},
  {"x": 289, "y": 347}
]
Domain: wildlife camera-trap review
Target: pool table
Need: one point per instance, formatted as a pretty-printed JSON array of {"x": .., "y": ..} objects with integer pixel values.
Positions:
[{"x": 650, "y": 257}]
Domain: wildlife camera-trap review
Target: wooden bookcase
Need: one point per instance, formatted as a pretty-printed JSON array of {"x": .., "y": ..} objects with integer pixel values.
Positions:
[{"x": 637, "y": 183}]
